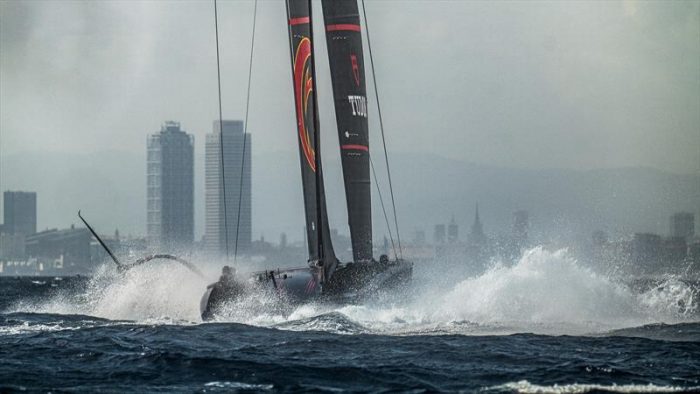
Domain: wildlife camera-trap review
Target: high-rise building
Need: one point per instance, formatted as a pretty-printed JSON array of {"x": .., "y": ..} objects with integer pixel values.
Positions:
[
  {"x": 170, "y": 184},
  {"x": 19, "y": 212},
  {"x": 236, "y": 189},
  {"x": 682, "y": 225}
]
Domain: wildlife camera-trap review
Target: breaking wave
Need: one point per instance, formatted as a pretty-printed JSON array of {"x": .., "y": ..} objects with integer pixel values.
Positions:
[
  {"x": 551, "y": 289},
  {"x": 544, "y": 292},
  {"x": 160, "y": 293}
]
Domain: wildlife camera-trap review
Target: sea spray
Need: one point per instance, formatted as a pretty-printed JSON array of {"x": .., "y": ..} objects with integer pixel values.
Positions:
[
  {"x": 155, "y": 292},
  {"x": 544, "y": 292},
  {"x": 671, "y": 297},
  {"x": 543, "y": 287}
]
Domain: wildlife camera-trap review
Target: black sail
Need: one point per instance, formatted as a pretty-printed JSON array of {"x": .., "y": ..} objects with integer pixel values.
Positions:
[
  {"x": 306, "y": 108},
  {"x": 344, "y": 42}
]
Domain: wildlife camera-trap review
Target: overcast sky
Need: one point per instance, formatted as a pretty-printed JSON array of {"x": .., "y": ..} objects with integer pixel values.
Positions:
[
  {"x": 519, "y": 84},
  {"x": 523, "y": 84}
]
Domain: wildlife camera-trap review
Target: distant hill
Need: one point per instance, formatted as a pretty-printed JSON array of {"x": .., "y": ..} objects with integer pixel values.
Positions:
[{"x": 110, "y": 188}]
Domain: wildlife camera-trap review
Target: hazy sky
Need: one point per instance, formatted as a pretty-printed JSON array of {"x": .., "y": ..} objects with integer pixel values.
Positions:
[
  {"x": 523, "y": 84},
  {"x": 519, "y": 84}
]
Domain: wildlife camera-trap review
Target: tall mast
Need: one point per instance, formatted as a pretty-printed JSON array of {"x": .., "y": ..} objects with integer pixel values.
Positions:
[
  {"x": 317, "y": 138},
  {"x": 306, "y": 106},
  {"x": 345, "y": 55}
]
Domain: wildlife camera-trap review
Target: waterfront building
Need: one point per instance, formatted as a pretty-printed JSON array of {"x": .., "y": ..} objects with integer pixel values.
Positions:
[
  {"x": 236, "y": 189},
  {"x": 67, "y": 249},
  {"x": 19, "y": 212},
  {"x": 170, "y": 185},
  {"x": 11, "y": 246}
]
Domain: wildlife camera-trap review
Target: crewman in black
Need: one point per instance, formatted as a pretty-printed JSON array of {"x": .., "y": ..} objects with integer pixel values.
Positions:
[{"x": 227, "y": 289}]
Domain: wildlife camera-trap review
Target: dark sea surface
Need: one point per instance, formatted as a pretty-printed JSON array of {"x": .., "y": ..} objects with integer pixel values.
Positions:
[{"x": 552, "y": 333}]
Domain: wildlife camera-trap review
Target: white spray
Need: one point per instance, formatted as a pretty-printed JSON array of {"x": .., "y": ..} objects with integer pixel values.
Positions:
[{"x": 545, "y": 292}]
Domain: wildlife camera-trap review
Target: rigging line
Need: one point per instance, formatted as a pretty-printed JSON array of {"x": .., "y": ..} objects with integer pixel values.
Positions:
[
  {"x": 381, "y": 200},
  {"x": 221, "y": 129},
  {"x": 381, "y": 127},
  {"x": 245, "y": 133}
]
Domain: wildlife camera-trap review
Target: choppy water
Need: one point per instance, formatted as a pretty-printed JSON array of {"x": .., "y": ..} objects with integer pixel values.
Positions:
[{"x": 543, "y": 325}]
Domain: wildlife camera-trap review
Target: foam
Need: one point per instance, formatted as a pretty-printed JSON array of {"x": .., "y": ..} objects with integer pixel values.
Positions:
[
  {"x": 524, "y": 386},
  {"x": 545, "y": 292}
]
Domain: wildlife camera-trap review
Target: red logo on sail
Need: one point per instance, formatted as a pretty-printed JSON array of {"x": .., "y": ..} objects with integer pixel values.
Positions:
[
  {"x": 303, "y": 89},
  {"x": 355, "y": 69}
]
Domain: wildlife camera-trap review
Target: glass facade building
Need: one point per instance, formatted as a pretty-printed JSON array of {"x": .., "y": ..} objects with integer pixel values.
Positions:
[
  {"x": 170, "y": 188},
  {"x": 215, "y": 226}
]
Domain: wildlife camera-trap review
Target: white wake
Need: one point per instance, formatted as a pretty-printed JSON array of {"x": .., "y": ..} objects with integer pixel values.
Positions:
[{"x": 544, "y": 292}]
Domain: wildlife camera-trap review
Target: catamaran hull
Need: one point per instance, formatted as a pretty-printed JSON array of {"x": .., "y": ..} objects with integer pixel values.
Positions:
[{"x": 351, "y": 283}]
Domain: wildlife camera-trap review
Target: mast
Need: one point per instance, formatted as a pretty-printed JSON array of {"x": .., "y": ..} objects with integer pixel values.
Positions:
[
  {"x": 344, "y": 42},
  {"x": 306, "y": 106}
]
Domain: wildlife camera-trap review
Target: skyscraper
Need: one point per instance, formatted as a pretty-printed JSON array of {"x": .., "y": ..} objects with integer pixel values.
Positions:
[
  {"x": 19, "y": 212},
  {"x": 170, "y": 183},
  {"x": 215, "y": 221}
]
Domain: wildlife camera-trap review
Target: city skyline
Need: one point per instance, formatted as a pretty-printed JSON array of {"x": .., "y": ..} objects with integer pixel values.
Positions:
[
  {"x": 620, "y": 201},
  {"x": 615, "y": 87},
  {"x": 72, "y": 250},
  {"x": 538, "y": 138}
]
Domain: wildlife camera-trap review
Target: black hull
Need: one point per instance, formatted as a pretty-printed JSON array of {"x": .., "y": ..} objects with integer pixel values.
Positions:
[{"x": 351, "y": 283}]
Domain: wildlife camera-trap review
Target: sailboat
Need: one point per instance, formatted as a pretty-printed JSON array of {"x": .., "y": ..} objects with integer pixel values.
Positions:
[{"x": 325, "y": 278}]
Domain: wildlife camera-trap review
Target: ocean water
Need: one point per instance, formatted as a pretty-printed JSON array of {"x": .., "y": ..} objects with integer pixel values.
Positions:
[{"x": 544, "y": 324}]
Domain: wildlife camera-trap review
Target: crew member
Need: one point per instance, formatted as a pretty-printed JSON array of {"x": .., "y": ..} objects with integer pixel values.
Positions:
[{"x": 228, "y": 274}]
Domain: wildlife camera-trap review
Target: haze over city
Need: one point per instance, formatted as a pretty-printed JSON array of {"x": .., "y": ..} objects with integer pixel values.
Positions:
[{"x": 523, "y": 86}]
